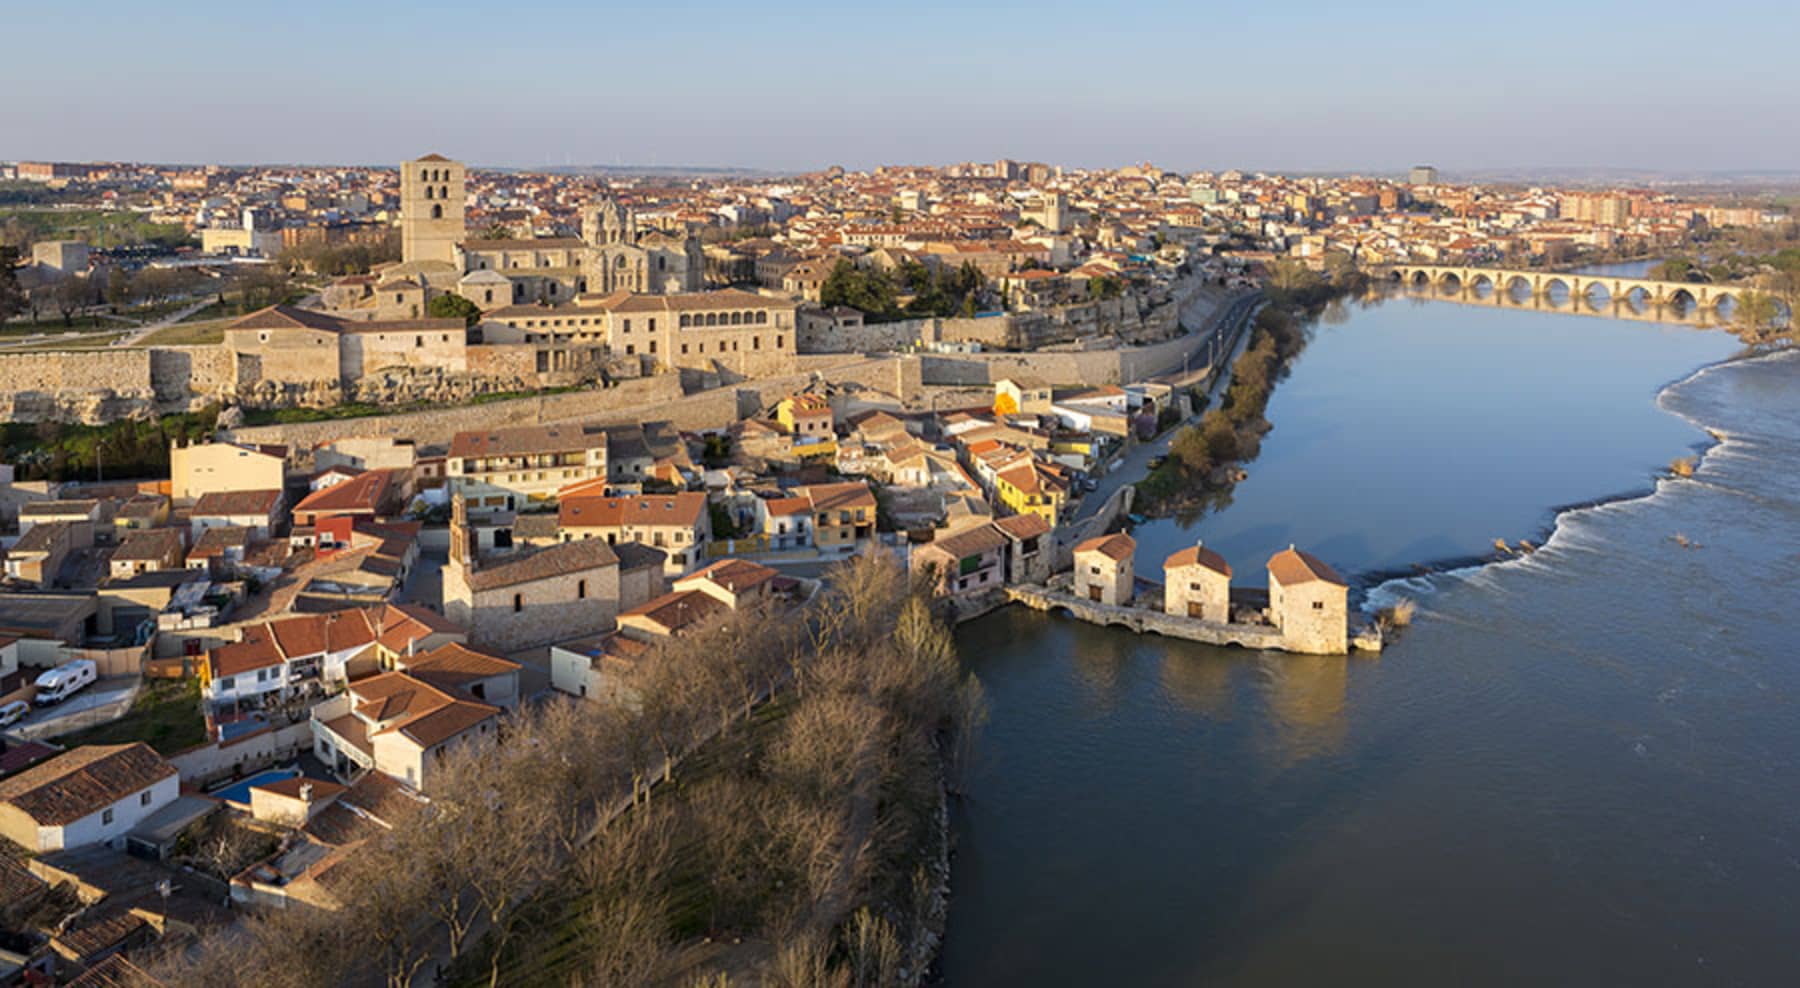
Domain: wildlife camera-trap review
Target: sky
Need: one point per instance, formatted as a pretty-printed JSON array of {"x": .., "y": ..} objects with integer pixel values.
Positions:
[{"x": 1305, "y": 85}]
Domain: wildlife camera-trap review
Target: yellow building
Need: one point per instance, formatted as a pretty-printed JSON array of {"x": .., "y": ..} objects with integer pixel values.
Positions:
[
  {"x": 198, "y": 469},
  {"x": 842, "y": 514},
  {"x": 1033, "y": 487}
]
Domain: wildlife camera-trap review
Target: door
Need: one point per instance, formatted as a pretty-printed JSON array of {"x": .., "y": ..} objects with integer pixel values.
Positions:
[
  {"x": 1195, "y": 609},
  {"x": 1094, "y": 593}
]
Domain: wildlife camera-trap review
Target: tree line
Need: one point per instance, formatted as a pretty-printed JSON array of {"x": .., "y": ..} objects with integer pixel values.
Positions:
[
  {"x": 132, "y": 448},
  {"x": 930, "y": 291},
  {"x": 611, "y": 843}
]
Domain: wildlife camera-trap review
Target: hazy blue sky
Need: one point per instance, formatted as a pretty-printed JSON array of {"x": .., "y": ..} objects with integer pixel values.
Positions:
[{"x": 1302, "y": 85}]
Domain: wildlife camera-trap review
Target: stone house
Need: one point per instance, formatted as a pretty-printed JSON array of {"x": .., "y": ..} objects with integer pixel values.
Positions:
[
  {"x": 1197, "y": 584},
  {"x": 736, "y": 583},
  {"x": 1029, "y": 554},
  {"x": 1104, "y": 569},
  {"x": 534, "y": 596},
  {"x": 1309, "y": 602},
  {"x": 966, "y": 564}
]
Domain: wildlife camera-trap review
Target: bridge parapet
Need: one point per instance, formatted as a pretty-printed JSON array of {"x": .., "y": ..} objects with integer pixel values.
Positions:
[{"x": 1465, "y": 278}]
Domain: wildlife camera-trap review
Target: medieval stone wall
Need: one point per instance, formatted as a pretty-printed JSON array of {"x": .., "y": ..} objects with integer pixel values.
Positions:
[{"x": 92, "y": 386}]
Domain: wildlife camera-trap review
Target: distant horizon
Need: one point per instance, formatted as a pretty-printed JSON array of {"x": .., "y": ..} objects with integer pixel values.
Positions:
[
  {"x": 1488, "y": 172},
  {"x": 1305, "y": 88}
]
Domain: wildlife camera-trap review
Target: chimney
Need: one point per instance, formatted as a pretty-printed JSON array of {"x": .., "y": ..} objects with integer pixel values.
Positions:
[{"x": 306, "y": 791}]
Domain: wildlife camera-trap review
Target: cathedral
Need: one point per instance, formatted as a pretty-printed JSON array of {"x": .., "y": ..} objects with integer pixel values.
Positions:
[
  {"x": 619, "y": 259},
  {"x": 437, "y": 256}
]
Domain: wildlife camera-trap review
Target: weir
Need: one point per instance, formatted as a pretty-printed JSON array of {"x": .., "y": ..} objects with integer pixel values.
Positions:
[{"x": 1145, "y": 621}]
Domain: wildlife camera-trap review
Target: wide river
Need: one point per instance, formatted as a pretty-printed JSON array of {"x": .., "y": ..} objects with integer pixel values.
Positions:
[{"x": 1577, "y": 767}]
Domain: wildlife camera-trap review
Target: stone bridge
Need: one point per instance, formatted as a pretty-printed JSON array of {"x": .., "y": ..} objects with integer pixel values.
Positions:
[
  {"x": 1592, "y": 306},
  {"x": 1648, "y": 292}
]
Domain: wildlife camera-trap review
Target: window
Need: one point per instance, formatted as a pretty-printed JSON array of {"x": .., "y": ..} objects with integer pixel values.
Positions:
[
  {"x": 518, "y": 602},
  {"x": 437, "y": 212},
  {"x": 418, "y": 341},
  {"x": 1318, "y": 605},
  {"x": 144, "y": 798},
  {"x": 106, "y": 815},
  {"x": 225, "y": 683},
  {"x": 581, "y": 590}
]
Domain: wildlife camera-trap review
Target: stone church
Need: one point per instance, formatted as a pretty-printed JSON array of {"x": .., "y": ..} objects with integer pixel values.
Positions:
[{"x": 437, "y": 256}]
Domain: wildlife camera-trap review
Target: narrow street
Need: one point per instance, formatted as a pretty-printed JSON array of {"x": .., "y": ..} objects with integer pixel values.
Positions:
[{"x": 1134, "y": 464}]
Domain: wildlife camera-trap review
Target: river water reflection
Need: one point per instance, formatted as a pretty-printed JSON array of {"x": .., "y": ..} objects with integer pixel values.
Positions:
[{"x": 1576, "y": 767}]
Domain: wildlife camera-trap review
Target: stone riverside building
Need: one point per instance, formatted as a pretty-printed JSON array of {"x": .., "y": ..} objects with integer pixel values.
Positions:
[
  {"x": 1197, "y": 584},
  {"x": 1104, "y": 569},
  {"x": 1309, "y": 602}
]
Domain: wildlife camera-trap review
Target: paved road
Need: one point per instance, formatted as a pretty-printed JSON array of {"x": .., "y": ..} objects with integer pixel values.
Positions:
[
  {"x": 132, "y": 338},
  {"x": 1135, "y": 464}
]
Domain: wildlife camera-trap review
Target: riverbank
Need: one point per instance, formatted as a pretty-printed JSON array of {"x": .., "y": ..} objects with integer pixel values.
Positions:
[{"x": 1206, "y": 459}]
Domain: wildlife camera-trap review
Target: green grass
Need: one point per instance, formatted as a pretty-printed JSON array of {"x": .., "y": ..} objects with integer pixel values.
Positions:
[
  {"x": 90, "y": 341},
  {"x": 204, "y": 333},
  {"x": 165, "y": 715}
]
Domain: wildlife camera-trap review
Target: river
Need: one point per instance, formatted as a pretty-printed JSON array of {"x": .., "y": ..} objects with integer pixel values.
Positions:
[{"x": 1577, "y": 766}]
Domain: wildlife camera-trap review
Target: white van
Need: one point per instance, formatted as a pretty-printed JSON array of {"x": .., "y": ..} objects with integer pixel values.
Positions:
[{"x": 61, "y": 682}]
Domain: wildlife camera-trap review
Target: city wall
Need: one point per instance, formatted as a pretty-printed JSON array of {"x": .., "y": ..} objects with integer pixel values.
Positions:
[{"x": 91, "y": 386}]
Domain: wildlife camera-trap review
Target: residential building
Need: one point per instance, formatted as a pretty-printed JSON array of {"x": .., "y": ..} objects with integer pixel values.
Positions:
[
  {"x": 256, "y": 510},
  {"x": 508, "y": 468},
  {"x": 807, "y": 415},
  {"x": 149, "y": 550},
  {"x": 399, "y": 725},
  {"x": 94, "y": 794},
  {"x": 599, "y": 668},
  {"x": 967, "y": 564},
  {"x": 843, "y": 515},
  {"x": 678, "y": 524},
  {"x": 198, "y": 469},
  {"x": 40, "y": 553}
]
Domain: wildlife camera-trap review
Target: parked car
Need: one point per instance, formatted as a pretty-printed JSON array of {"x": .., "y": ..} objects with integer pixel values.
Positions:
[
  {"x": 64, "y": 681},
  {"x": 13, "y": 712},
  {"x": 1156, "y": 462},
  {"x": 1090, "y": 484}
]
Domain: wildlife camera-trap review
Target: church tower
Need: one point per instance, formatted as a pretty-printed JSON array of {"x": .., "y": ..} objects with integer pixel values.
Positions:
[
  {"x": 431, "y": 209},
  {"x": 606, "y": 224}
]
